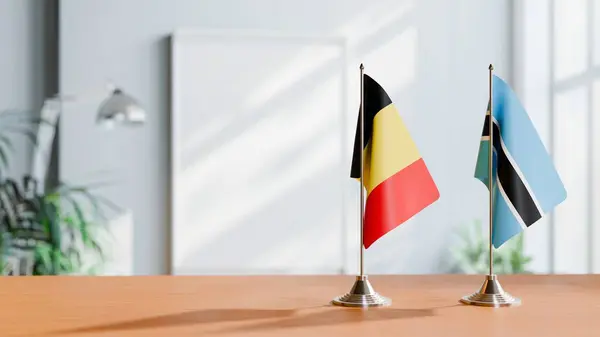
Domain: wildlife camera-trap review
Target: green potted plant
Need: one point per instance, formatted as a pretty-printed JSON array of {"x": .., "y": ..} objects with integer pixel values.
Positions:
[
  {"x": 471, "y": 256},
  {"x": 58, "y": 231}
]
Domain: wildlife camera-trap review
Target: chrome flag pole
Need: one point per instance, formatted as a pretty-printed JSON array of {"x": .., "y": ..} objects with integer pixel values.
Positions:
[
  {"x": 362, "y": 293},
  {"x": 491, "y": 293}
]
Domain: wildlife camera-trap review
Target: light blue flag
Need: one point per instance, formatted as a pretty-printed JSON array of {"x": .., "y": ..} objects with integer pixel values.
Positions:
[{"x": 525, "y": 183}]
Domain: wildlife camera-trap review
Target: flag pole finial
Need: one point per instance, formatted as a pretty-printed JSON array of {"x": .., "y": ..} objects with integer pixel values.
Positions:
[
  {"x": 491, "y": 293},
  {"x": 362, "y": 67}
]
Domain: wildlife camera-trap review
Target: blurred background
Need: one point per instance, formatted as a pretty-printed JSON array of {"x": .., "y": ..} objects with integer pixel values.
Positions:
[{"x": 241, "y": 164}]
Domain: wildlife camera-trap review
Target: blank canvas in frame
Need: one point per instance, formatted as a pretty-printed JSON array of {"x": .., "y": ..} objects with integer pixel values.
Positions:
[{"x": 257, "y": 162}]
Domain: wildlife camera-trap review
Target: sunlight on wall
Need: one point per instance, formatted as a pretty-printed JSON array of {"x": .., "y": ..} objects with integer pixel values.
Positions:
[{"x": 307, "y": 61}]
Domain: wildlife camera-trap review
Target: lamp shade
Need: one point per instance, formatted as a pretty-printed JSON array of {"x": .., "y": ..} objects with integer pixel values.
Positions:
[{"x": 120, "y": 108}]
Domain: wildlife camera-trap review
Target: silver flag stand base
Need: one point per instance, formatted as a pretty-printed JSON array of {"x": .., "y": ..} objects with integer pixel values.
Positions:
[
  {"x": 491, "y": 294},
  {"x": 362, "y": 295}
]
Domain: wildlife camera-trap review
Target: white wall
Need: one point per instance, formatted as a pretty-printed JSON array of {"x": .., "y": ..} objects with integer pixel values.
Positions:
[
  {"x": 431, "y": 56},
  {"x": 23, "y": 71}
]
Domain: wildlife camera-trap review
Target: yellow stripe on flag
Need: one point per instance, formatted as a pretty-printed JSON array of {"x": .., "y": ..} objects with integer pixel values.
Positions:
[{"x": 389, "y": 150}]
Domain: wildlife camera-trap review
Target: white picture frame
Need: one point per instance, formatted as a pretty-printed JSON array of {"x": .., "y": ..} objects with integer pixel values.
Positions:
[{"x": 322, "y": 253}]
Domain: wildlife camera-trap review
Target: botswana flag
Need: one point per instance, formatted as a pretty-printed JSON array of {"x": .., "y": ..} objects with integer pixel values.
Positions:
[{"x": 525, "y": 183}]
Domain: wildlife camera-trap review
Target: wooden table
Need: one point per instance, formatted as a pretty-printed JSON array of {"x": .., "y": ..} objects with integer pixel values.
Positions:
[{"x": 292, "y": 306}]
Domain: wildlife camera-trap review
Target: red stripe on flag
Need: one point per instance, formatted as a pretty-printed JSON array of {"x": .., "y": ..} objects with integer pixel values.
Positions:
[{"x": 397, "y": 199}]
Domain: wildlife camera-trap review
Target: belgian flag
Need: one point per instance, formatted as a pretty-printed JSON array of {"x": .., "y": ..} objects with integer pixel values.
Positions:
[{"x": 397, "y": 182}]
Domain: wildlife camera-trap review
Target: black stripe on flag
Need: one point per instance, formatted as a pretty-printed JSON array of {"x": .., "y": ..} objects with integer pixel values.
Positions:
[
  {"x": 375, "y": 100},
  {"x": 511, "y": 182}
]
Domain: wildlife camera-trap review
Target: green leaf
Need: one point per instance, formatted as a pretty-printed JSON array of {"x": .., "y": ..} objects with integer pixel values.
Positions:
[
  {"x": 43, "y": 255},
  {"x": 95, "y": 245},
  {"x": 58, "y": 261},
  {"x": 49, "y": 215},
  {"x": 74, "y": 257}
]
